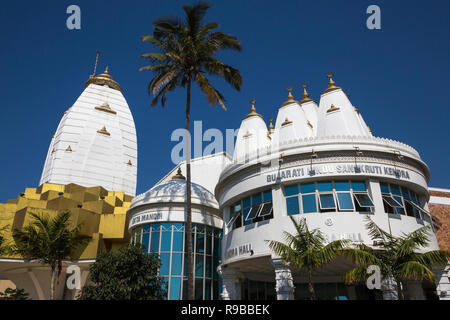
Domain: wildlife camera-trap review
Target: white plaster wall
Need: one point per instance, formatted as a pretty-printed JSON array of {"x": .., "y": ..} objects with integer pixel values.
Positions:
[{"x": 96, "y": 159}]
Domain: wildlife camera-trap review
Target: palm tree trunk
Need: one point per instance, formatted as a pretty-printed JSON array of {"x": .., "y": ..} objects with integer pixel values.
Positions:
[
  {"x": 190, "y": 266},
  {"x": 310, "y": 285},
  {"x": 399, "y": 290},
  {"x": 52, "y": 284}
]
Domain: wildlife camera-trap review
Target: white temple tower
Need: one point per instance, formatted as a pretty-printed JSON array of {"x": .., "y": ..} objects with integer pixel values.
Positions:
[{"x": 95, "y": 143}]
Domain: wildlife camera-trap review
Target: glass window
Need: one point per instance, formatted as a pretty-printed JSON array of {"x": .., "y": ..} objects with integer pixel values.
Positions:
[
  {"x": 395, "y": 190},
  {"x": 200, "y": 245},
  {"x": 154, "y": 245},
  {"x": 324, "y": 186},
  {"x": 309, "y": 203},
  {"x": 327, "y": 201},
  {"x": 199, "y": 263},
  {"x": 363, "y": 200},
  {"x": 256, "y": 199},
  {"x": 342, "y": 185},
  {"x": 359, "y": 186},
  {"x": 246, "y": 203},
  {"x": 391, "y": 201},
  {"x": 166, "y": 240},
  {"x": 207, "y": 289},
  {"x": 292, "y": 206},
  {"x": 384, "y": 188},
  {"x": 290, "y": 190},
  {"x": 208, "y": 267},
  {"x": 400, "y": 210},
  {"x": 177, "y": 241},
  {"x": 198, "y": 289},
  {"x": 177, "y": 262},
  {"x": 345, "y": 201},
  {"x": 209, "y": 244},
  {"x": 146, "y": 228},
  {"x": 156, "y": 226},
  {"x": 165, "y": 264},
  {"x": 166, "y": 226},
  {"x": 267, "y": 196},
  {"x": 252, "y": 213},
  {"x": 175, "y": 288},
  {"x": 307, "y": 187},
  {"x": 145, "y": 240},
  {"x": 266, "y": 209},
  {"x": 405, "y": 193}
]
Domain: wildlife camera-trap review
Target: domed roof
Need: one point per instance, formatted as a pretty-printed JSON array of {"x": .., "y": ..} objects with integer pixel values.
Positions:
[
  {"x": 103, "y": 79},
  {"x": 174, "y": 191}
]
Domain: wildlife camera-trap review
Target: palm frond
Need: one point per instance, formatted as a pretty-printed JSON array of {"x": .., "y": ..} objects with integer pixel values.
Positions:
[
  {"x": 212, "y": 94},
  {"x": 414, "y": 270}
]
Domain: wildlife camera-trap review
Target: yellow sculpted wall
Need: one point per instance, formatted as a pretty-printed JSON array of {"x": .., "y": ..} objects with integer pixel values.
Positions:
[{"x": 102, "y": 214}]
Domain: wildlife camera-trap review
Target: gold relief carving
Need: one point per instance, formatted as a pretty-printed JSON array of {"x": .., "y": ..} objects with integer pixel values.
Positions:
[
  {"x": 106, "y": 108},
  {"x": 104, "y": 131},
  {"x": 333, "y": 108}
]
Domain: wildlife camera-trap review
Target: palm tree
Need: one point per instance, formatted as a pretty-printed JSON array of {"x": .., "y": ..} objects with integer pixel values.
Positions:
[
  {"x": 397, "y": 257},
  {"x": 49, "y": 241},
  {"x": 3, "y": 246},
  {"x": 307, "y": 250},
  {"x": 186, "y": 55}
]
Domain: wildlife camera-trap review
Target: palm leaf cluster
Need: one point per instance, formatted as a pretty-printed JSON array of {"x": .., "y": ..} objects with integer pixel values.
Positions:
[
  {"x": 186, "y": 54},
  {"x": 398, "y": 257}
]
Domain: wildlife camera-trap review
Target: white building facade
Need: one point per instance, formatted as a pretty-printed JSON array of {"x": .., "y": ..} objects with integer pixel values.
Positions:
[{"x": 319, "y": 162}]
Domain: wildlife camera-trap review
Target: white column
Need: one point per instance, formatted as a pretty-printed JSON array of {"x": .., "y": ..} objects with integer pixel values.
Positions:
[
  {"x": 284, "y": 281},
  {"x": 443, "y": 283},
  {"x": 229, "y": 280},
  {"x": 389, "y": 289}
]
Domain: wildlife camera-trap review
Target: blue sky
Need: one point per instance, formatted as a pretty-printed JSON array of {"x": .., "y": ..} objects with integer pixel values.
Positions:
[{"x": 397, "y": 76}]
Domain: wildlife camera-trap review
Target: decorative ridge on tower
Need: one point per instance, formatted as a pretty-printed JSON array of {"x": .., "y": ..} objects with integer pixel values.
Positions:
[
  {"x": 305, "y": 95},
  {"x": 331, "y": 83},
  {"x": 253, "y": 111},
  {"x": 179, "y": 175},
  {"x": 290, "y": 97},
  {"x": 103, "y": 79}
]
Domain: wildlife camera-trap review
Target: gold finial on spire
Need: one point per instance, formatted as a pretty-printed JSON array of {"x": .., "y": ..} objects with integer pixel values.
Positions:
[
  {"x": 253, "y": 110},
  {"x": 179, "y": 175},
  {"x": 103, "y": 79},
  {"x": 305, "y": 95},
  {"x": 331, "y": 84},
  {"x": 290, "y": 97}
]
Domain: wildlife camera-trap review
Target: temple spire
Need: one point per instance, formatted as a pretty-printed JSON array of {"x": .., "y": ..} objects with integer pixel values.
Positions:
[{"x": 331, "y": 84}]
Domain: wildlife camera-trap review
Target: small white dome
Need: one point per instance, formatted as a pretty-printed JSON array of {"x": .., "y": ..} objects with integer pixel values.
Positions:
[{"x": 174, "y": 191}]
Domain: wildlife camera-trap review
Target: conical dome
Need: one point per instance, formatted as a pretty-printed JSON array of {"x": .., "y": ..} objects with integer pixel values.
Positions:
[
  {"x": 252, "y": 134},
  {"x": 337, "y": 115},
  {"x": 95, "y": 143}
]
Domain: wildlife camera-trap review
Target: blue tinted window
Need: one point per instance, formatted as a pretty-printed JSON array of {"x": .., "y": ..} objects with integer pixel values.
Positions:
[
  {"x": 207, "y": 289},
  {"x": 208, "y": 267},
  {"x": 399, "y": 210},
  {"x": 395, "y": 190},
  {"x": 146, "y": 228},
  {"x": 200, "y": 245},
  {"x": 177, "y": 260},
  {"x": 309, "y": 203},
  {"x": 307, "y": 187},
  {"x": 413, "y": 197},
  {"x": 256, "y": 199},
  {"x": 359, "y": 186},
  {"x": 246, "y": 202},
  {"x": 345, "y": 201},
  {"x": 156, "y": 226},
  {"x": 292, "y": 205},
  {"x": 166, "y": 241},
  {"x": 178, "y": 226},
  {"x": 209, "y": 244},
  {"x": 342, "y": 186},
  {"x": 154, "y": 246},
  {"x": 167, "y": 226},
  {"x": 405, "y": 193},
  {"x": 145, "y": 240},
  {"x": 177, "y": 241},
  {"x": 175, "y": 288},
  {"x": 237, "y": 207},
  {"x": 384, "y": 188},
  {"x": 327, "y": 201},
  {"x": 324, "y": 186},
  {"x": 199, "y": 265},
  {"x": 291, "y": 190},
  {"x": 267, "y": 196},
  {"x": 165, "y": 264}
]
